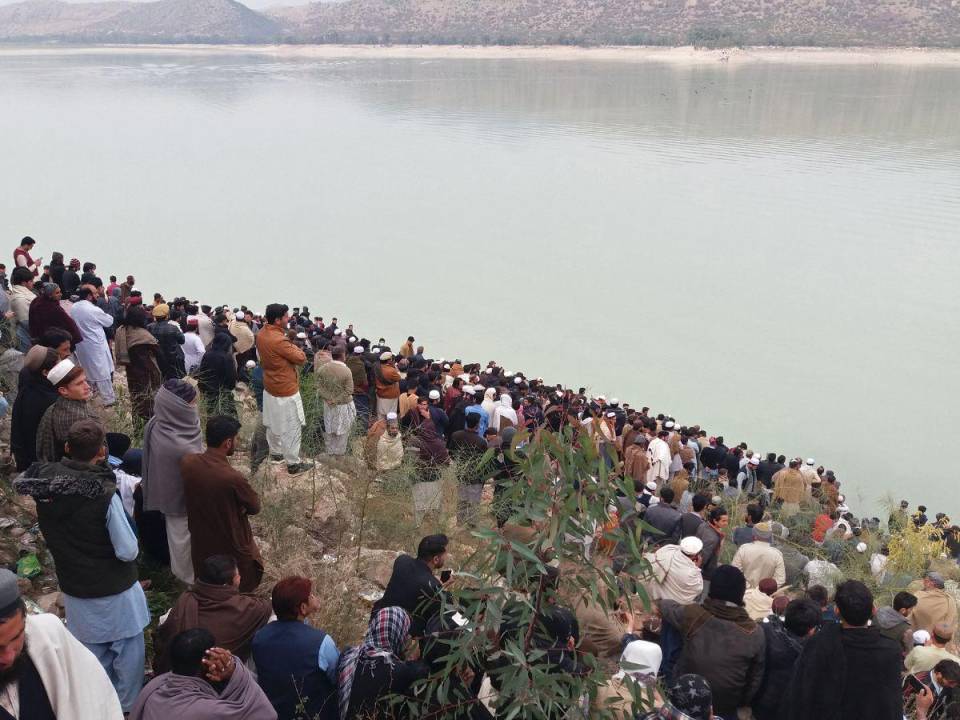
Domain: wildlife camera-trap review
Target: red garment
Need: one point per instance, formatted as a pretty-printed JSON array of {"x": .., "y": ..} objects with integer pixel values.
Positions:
[
  {"x": 46, "y": 313},
  {"x": 20, "y": 252},
  {"x": 820, "y": 527},
  {"x": 450, "y": 399}
]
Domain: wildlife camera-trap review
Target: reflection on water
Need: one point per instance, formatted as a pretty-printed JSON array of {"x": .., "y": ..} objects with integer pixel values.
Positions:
[{"x": 764, "y": 249}]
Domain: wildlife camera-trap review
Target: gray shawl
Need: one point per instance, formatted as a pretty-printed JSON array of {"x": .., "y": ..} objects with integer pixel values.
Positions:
[
  {"x": 189, "y": 698},
  {"x": 172, "y": 432}
]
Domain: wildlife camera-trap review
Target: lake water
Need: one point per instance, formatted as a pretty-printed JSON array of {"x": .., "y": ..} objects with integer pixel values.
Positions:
[{"x": 768, "y": 250}]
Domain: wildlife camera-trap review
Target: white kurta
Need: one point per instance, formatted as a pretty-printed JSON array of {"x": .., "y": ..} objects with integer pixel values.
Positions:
[
  {"x": 94, "y": 352},
  {"x": 659, "y": 454}
]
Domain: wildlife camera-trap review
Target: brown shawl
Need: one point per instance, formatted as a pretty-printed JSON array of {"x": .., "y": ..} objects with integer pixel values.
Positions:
[
  {"x": 128, "y": 338},
  {"x": 231, "y": 617}
]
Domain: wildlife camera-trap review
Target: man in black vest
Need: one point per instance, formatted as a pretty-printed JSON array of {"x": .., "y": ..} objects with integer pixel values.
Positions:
[
  {"x": 95, "y": 552},
  {"x": 45, "y": 673},
  {"x": 414, "y": 587}
]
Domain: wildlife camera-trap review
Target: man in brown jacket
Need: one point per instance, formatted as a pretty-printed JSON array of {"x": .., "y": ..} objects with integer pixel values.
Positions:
[
  {"x": 335, "y": 387},
  {"x": 283, "y": 414},
  {"x": 219, "y": 501},
  {"x": 388, "y": 385},
  {"x": 790, "y": 487},
  {"x": 934, "y": 605}
]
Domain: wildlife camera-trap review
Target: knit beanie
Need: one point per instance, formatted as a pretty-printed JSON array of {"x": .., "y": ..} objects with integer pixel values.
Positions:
[
  {"x": 691, "y": 695},
  {"x": 728, "y": 584}
]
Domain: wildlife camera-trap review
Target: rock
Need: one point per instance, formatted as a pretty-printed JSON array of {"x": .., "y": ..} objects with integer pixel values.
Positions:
[
  {"x": 24, "y": 585},
  {"x": 16, "y": 532},
  {"x": 50, "y": 602},
  {"x": 377, "y": 565}
]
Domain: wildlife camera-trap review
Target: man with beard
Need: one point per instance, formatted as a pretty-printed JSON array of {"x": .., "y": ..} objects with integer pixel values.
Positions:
[{"x": 45, "y": 673}]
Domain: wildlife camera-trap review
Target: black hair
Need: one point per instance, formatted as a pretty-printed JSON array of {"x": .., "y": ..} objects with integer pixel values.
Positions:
[
  {"x": 854, "y": 602},
  {"x": 28, "y": 241},
  {"x": 12, "y": 609},
  {"x": 84, "y": 292},
  {"x": 717, "y": 513},
  {"x": 275, "y": 311},
  {"x": 21, "y": 275},
  {"x": 949, "y": 670},
  {"x": 473, "y": 420},
  {"x": 431, "y": 546},
  {"x": 818, "y": 593},
  {"x": 802, "y": 615},
  {"x": 88, "y": 266},
  {"x": 54, "y": 337},
  {"x": 700, "y": 501},
  {"x": 904, "y": 601},
  {"x": 667, "y": 494},
  {"x": 187, "y": 651},
  {"x": 218, "y": 570},
  {"x": 136, "y": 317},
  {"x": 221, "y": 428},
  {"x": 755, "y": 513},
  {"x": 85, "y": 439}
]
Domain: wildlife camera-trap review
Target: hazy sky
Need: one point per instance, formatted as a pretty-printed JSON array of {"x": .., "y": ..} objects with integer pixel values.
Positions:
[{"x": 255, "y": 4}]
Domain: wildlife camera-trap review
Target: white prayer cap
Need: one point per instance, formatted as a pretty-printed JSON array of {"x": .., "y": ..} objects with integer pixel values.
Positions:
[
  {"x": 251, "y": 364},
  {"x": 691, "y": 546},
  {"x": 464, "y": 376},
  {"x": 239, "y": 315},
  {"x": 539, "y": 379},
  {"x": 469, "y": 389},
  {"x": 920, "y": 637},
  {"x": 559, "y": 393},
  {"x": 375, "y": 349},
  {"x": 434, "y": 395},
  {"x": 59, "y": 371},
  {"x": 614, "y": 401},
  {"x": 386, "y": 356},
  {"x": 668, "y": 424},
  {"x": 301, "y": 336},
  {"x": 755, "y": 460},
  {"x": 517, "y": 381},
  {"x": 601, "y": 397},
  {"x": 441, "y": 361},
  {"x": 611, "y": 414},
  {"x": 353, "y": 339},
  {"x": 652, "y": 486},
  {"x": 810, "y": 461},
  {"x": 489, "y": 371},
  {"x": 446, "y": 366},
  {"x": 338, "y": 331},
  {"x": 358, "y": 350},
  {"x": 861, "y": 547},
  {"x": 391, "y": 417}
]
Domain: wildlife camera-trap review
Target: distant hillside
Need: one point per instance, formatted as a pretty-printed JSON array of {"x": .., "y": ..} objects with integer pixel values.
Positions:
[
  {"x": 161, "y": 21},
  {"x": 668, "y": 22},
  {"x": 589, "y": 22}
]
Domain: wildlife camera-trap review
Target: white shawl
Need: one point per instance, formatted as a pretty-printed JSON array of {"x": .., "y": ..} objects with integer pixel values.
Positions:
[
  {"x": 76, "y": 684},
  {"x": 674, "y": 576}
]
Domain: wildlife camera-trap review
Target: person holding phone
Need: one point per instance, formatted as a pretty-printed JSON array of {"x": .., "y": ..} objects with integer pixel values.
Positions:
[
  {"x": 934, "y": 691},
  {"x": 414, "y": 586}
]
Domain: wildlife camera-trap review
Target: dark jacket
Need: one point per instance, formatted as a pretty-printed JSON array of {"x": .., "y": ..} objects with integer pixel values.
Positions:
[
  {"x": 689, "y": 524},
  {"x": 783, "y": 649},
  {"x": 218, "y": 368},
  {"x": 859, "y": 667},
  {"x": 34, "y": 396},
  {"x": 726, "y": 647},
  {"x": 415, "y": 588},
  {"x": 170, "y": 358},
  {"x": 72, "y": 502},
  {"x": 71, "y": 281},
  {"x": 666, "y": 519},
  {"x": 712, "y": 539}
]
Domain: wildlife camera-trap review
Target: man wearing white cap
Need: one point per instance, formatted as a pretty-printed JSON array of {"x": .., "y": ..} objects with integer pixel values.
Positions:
[
  {"x": 810, "y": 477},
  {"x": 659, "y": 457},
  {"x": 335, "y": 387},
  {"x": 45, "y": 668},
  {"x": 94, "y": 352},
  {"x": 244, "y": 344},
  {"x": 387, "y": 378},
  {"x": 675, "y": 572},
  {"x": 193, "y": 347},
  {"x": 73, "y": 404}
]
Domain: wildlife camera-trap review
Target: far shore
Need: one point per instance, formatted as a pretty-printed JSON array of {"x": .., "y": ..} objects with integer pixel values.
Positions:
[{"x": 637, "y": 54}]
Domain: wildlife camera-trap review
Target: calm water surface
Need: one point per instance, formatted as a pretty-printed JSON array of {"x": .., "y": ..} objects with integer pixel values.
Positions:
[{"x": 767, "y": 250}]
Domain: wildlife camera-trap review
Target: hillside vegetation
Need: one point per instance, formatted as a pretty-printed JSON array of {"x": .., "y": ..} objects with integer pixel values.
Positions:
[{"x": 710, "y": 23}]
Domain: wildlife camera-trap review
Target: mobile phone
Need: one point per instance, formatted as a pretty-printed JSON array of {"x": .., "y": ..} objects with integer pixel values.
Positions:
[
  {"x": 913, "y": 682},
  {"x": 445, "y": 575}
]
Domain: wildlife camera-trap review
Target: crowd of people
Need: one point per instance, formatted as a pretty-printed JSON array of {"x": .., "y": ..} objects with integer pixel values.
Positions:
[{"x": 771, "y": 634}]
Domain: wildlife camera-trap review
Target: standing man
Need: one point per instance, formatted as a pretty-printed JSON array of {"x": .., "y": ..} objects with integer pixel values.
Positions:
[
  {"x": 21, "y": 296},
  {"x": 335, "y": 387},
  {"x": 283, "y": 413},
  {"x": 790, "y": 487},
  {"x": 658, "y": 453},
  {"x": 21, "y": 256},
  {"x": 361, "y": 385},
  {"x": 126, "y": 288},
  {"x": 219, "y": 502},
  {"x": 171, "y": 340},
  {"x": 759, "y": 559},
  {"x": 95, "y": 551},
  {"x": 94, "y": 351},
  {"x": 388, "y": 385},
  {"x": 406, "y": 350}
]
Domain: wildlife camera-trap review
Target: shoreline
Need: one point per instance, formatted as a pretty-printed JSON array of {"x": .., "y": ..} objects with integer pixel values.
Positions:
[{"x": 685, "y": 55}]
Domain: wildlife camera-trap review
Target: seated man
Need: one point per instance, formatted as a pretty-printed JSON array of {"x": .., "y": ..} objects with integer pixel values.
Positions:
[
  {"x": 44, "y": 671},
  {"x": 413, "y": 586},
  {"x": 297, "y": 664},
  {"x": 214, "y": 603},
  {"x": 206, "y": 683}
]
